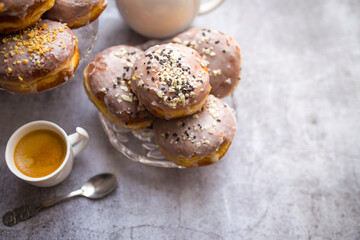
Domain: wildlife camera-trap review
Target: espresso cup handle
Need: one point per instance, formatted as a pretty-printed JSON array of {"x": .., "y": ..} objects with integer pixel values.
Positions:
[
  {"x": 79, "y": 140},
  {"x": 209, "y": 6}
]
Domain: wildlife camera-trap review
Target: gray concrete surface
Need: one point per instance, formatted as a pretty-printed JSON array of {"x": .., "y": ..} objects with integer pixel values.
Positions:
[{"x": 293, "y": 171}]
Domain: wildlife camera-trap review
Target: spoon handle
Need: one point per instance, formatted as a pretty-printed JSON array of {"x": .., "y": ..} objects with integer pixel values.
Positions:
[
  {"x": 21, "y": 214},
  {"x": 29, "y": 210},
  {"x": 55, "y": 200}
]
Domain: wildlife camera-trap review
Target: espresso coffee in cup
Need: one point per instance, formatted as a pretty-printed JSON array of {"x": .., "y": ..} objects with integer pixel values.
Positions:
[
  {"x": 39, "y": 153},
  {"x": 42, "y": 154}
]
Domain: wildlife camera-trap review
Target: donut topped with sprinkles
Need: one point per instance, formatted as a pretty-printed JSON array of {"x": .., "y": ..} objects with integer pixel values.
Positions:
[
  {"x": 171, "y": 80},
  {"x": 222, "y": 55},
  {"x": 200, "y": 139},
  {"x": 108, "y": 86},
  {"x": 38, "y": 58}
]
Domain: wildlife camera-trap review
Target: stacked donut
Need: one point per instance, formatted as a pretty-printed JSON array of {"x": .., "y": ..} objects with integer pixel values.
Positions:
[
  {"x": 176, "y": 88},
  {"x": 37, "y": 55}
]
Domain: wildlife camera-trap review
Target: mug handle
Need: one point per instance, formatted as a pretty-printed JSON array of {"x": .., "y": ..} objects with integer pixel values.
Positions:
[
  {"x": 209, "y": 6},
  {"x": 79, "y": 140}
]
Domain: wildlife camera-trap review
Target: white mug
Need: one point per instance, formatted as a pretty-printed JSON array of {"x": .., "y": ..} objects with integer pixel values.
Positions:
[
  {"x": 162, "y": 18},
  {"x": 75, "y": 144}
]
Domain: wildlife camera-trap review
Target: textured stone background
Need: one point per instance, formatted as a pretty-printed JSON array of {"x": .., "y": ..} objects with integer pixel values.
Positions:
[{"x": 293, "y": 169}]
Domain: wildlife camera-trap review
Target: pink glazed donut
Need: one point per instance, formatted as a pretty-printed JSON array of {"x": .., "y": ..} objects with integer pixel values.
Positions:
[
  {"x": 171, "y": 81},
  {"x": 107, "y": 84},
  {"x": 222, "y": 54},
  {"x": 76, "y": 13},
  {"x": 38, "y": 58},
  {"x": 19, "y": 14},
  {"x": 198, "y": 140}
]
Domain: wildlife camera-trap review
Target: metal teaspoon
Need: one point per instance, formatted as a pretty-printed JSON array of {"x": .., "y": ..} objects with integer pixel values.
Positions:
[{"x": 95, "y": 188}]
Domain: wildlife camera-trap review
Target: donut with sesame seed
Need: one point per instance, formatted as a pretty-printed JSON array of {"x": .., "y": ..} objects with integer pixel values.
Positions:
[
  {"x": 107, "y": 84},
  {"x": 76, "y": 13},
  {"x": 16, "y": 15},
  {"x": 222, "y": 54},
  {"x": 171, "y": 81},
  {"x": 38, "y": 58},
  {"x": 198, "y": 140}
]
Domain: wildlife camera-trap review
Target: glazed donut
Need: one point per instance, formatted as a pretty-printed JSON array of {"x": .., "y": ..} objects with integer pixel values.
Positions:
[
  {"x": 107, "y": 84},
  {"x": 200, "y": 139},
  {"x": 76, "y": 13},
  {"x": 19, "y": 14},
  {"x": 221, "y": 52},
  {"x": 171, "y": 81},
  {"x": 38, "y": 58}
]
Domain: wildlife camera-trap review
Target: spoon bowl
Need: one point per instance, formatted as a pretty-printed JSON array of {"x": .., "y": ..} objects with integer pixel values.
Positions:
[{"x": 99, "y": 186}]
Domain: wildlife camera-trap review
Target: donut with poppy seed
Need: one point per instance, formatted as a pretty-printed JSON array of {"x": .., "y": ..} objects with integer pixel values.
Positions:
[
  {"x": 200, "y": 139},
  {"x": 107, "y": 84},
  {"x": 171, "y": 81},
  {"x": 222, "y": 54}
]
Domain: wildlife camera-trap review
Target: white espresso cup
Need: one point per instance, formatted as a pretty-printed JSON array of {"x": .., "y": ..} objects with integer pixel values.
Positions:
[
  {"x": 162, "y": 18},
  {"x": 75, "y": 144}
]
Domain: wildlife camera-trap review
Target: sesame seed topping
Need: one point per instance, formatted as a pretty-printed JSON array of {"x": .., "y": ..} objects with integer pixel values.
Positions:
[
  {"x": 206, "y": 50},
  {"x": 177, "y": 40},
  {"x": 125, "y": 88},
  {"x": 174, "y": 76},
  {"x": 206, "y": 142},
  {"x": 217, "y": 72},
  {"x": 126, "y": 98},
  {"x": 141, "y": 82}
]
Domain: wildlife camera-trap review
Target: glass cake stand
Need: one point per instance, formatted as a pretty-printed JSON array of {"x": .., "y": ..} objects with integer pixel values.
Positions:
[
  {"x": 87, "y": 36},
  {"x": 139, "y": 145}
]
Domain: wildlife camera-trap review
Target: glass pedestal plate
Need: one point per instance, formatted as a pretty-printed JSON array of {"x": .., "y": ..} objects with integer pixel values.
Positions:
[
  {"x": 87, "y": 36},
  {"x": 139, "y": 145}
]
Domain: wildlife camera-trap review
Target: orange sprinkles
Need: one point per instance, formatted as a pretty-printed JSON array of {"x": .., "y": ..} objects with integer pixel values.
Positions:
[{"x": 35, "y": 41}]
